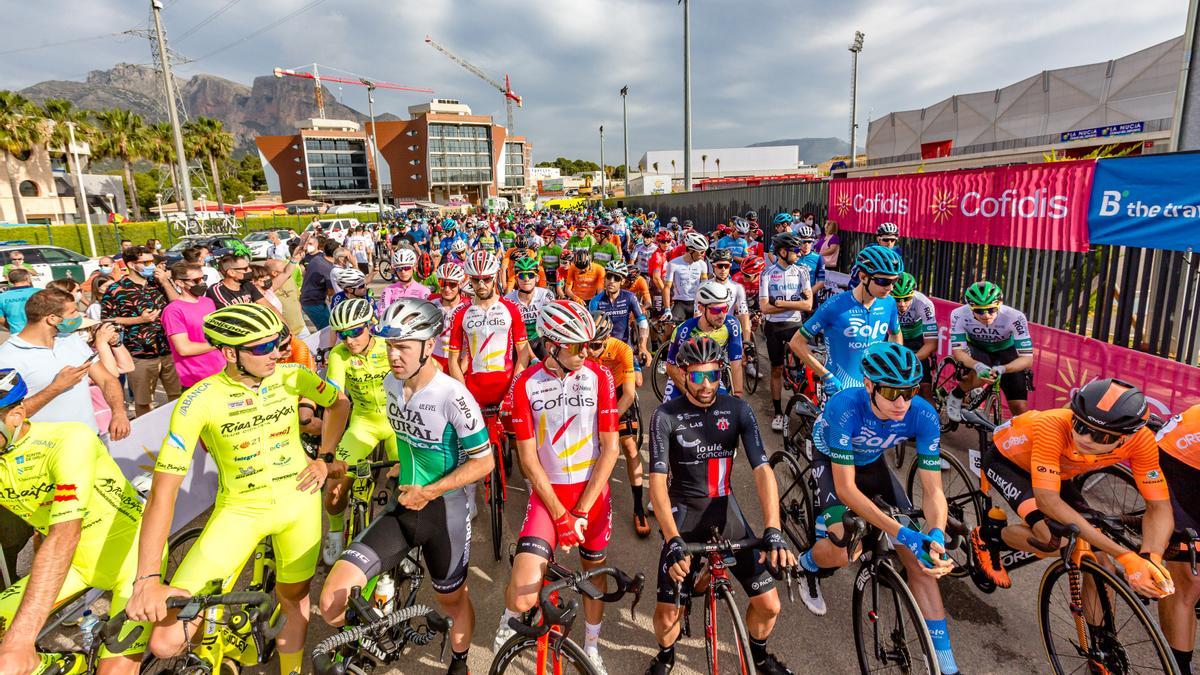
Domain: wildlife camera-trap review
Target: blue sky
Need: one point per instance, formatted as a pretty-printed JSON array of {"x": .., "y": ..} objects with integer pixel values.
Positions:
[{"x": 761, "y": 69}]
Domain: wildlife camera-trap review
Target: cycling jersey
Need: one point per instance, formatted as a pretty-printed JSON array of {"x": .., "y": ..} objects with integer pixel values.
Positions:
[
  {"x": 618, "y": 358},
  {"x": 1180, "y": 437},
  {"x": 783, "y": 283},
  {"x": 360, "y": 376},
  {"x": 448, "y": 240},
  {"x": 815, "y": 265},
  {"x": 605, "y": 252},
  {"x": 1009, "y": 330},
  {"x": 657, "y": 263},
  {"x": 565, "y": 416},
  {"x": 850, "y": 433},
  {"x": 737, "y": 247},
  {"x": 398, "y": 290},
  {"x": 849, "y": 328},
  {"x": 491, "y": 334},
  {"x": 487, "y": 242},
  {"x": 585, "y": 283},
  {"x": 576, "y": 241},
  {"x": 750, "y": 288},
  {"x": 619, "y": 310},
  {"x": 642, "y": 255},
  {"x": 919, "y": 321},
  {"x": 1040, "y": 443},
  {"x": 696, "y": 446},
  {"x": 437, "y": 430},
  {"x": 738, "y": 303},
  {"x": 441, "y": 345},
  {"x": 728, "y": 335},
  {"x": 530, "y": 310},
  {"x": 685, "y": 277},
  {"x": 550, "y": 255},
  {"x": 507, "y": 238}
]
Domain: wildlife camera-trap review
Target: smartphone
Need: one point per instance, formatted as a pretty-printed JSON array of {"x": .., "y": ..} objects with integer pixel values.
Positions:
[{"x": 93, "y": 357}]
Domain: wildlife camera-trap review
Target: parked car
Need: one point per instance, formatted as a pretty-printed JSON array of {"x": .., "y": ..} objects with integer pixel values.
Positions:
[
  {"x": 260, "y": 245},
  {"x": 218, "y": 244},
  {"x": 50, "y": 262},
  {"x": 335, "y": 228}
]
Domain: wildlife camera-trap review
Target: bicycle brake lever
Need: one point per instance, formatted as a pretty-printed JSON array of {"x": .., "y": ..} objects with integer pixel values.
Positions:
[{"x": 270, "y": 632}]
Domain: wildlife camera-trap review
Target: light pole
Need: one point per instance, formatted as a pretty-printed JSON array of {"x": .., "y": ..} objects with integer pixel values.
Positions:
[
  {"x": 603, "y": 192},
  {"x": 625, "y": 127},
  {"x": 87, "y": 212},
  {"x": 112, "y": 204},
  {"x": 687, "y": 95},
  {"x": 855, "y": 48},
  {"x": 158, "y": 198},
  {"x": 375, "y": 145}
]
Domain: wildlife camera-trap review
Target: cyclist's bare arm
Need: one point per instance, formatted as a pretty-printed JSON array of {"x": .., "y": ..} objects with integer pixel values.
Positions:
[
  {"x": 933, "y": 500},
  {"x": 50, "y": 566},
  {"x": 468, "y": 473},
  {"x": 860, "y": 504},
  {"x": 964, "y": 357},
  {"x": 1051, "y": 503},
  {"x": 1019, "y": 364},
  {"x": 148, "y": 602},
  {"x": 928, "y": 347},
  {"x": 775, "y": 305},
  {"x": 799, "y": 346},
  {"x": 896, "y": 337},
  {"x": 539, "y": 482},
  {"x": 610, "y": 450},
  {"x": 737, "y": 373},
  {"x": 628, "y": 396},
  {"x": 454, "y": 361},
  {"x": 662, "y": 504},
  {"x": 768, "y": 498}
]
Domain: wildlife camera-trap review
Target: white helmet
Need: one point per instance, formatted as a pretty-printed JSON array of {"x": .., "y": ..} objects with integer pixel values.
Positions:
[
  {"x": 404, "y": 257},
  {"x": 350, "y": 313},
  {"x": 713, "y": 293},
  {"x": 451, "y": 272},
  {"x": 411, "y": 319},
  {"x": 694, "y": 241},
  {"x": 482, "y": 264},
  {"x": 348, "y": 277},
  {"x": 741, "y": 226},
  {"x": 459, "y": 246},
  {"x": 566, "y": 322}
]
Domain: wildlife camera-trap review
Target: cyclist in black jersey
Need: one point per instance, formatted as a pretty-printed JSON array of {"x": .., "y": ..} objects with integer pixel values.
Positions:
[{"x": 694, "y": 438}]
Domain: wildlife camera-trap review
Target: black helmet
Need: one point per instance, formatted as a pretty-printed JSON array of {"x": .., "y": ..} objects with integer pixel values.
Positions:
[
  {"x": 604, "y": 325},
  {"x": 697, "y": 350},
  {"x": 1111, "y": 405},
  {"x": 784, "y": 240},
  {"x": 752, "y": 215},
  {"x": 720, "y": 255}
]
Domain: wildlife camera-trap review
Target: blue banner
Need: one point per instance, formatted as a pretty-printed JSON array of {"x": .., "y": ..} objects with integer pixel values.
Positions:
[
  {"x": 1103, "y": 132},
  {"x": 1147, "y": 202}
]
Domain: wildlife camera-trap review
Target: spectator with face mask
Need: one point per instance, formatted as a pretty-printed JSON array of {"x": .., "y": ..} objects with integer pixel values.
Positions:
[
  {"x": 236, "y": 285},
  {"x": 183, "y": 322},
  {"x": 96, "y": 287}
]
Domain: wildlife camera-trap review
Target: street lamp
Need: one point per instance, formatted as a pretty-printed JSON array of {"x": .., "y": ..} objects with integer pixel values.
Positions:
[
  {"x": 687, "y": 95},
  {"x": 375, "y": 144},
  {"x": 87, "y": 211},
  {"x": 112, "y": 204},
  {"x": 603, "y": 191},
  {"x": 855, "y": 48},
  {"x": 625, "y": 127}
]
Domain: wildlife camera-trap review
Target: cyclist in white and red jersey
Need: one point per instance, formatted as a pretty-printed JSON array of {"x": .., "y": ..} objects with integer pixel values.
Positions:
[
  {"x": 448, "y": 297},
  {"x": 657, "y": 269},
  {"x": 564, "y": 415},
  {"x": 492, "y": 333}
]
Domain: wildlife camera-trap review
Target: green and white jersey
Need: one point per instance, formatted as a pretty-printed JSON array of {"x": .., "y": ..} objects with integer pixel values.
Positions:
[
  {"x": 437, "y": 430},
  {"x": 1009, "y": 330},
  {"x": 919, "y": 321}
]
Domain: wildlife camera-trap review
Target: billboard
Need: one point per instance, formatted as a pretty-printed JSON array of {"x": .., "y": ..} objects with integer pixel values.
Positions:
[{"x": 1151, "y": 201}]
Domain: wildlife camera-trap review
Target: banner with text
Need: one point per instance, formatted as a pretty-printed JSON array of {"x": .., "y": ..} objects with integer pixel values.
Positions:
[
  {"x": 1039, "y": 206},
  {"x": 1149, "y": 202}
]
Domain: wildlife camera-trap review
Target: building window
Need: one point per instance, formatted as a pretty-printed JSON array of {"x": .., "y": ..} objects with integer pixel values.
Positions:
[{"x": 29, "y": 188}]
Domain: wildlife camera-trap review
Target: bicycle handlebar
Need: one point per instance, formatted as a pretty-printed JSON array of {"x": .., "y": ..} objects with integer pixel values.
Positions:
[
  {"x": 563, "y": 612},
  {"x": 722, "y": 546},
  {"x": 264, "y": 606},
  {"x": 366, "y": 469}
]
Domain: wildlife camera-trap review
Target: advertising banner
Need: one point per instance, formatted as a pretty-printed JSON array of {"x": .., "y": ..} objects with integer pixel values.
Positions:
[
  {"x": 1041, "y": 206},
  {"x": 1150, "y": 202},
  {"x": 1103, "y": 132}
]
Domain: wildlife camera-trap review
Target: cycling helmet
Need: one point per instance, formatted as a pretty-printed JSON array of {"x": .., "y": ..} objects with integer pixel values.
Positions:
[
  {"x": 565, "y": 322},
  {"x": 602, "y": 231},
  {"x": 410, "y": 319},
  {"x": 784, "y": 240},
  {"x": 741, "y": 225},
  {"x": 876, "y": 259},
  {"x": 753, "y": 265},
  {"x": 563, "y": 232},
  {"x": 451, "y": 272},
  {"x": 782, "y": 218},
  {"x": 905, "y": 286},
  {"x": 720, "y": 255},
  {"x": 404, "y": 257},
  {"x": 522, "y": 241},
  {"x": 752, "y": 215},
  {"x": 694, "y": 241},
  {"x": 983, "y": 294},
  {"x": 891, "y": 365},
  {"x": 805, "y": 232},
  {"x": 604, "y": 325},
  {"x": 698, "y": 350},
  {"x": 651, "y": 216},
  {"x": 459, "y": 246},
  {"x": 566, "y": 257},
  {"x": 525, "y": 264},
  {"x": 481, "y": 264},
  {"x": 1111, "y": 405},
  {"x": 349, "y": 277},
  {"x": 241, "y": 324},
  {"x": 673, "y": 220},
  {"x": 713, "y": 293},
  {"x": 350, "y": 313},
  {"x": 887, "y": 230},
  {"x": 663, "y": 237},
  {"x": 12, "y": 388},
  {"x": 424, "y": 265},
  {"x": 618, "y": 267}
]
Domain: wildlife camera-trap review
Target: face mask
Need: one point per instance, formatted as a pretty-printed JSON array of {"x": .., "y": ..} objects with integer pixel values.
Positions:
[
  {"x": 70, "y": 325},
  {"x": 209, "y": 258},
  {"x": 106, "y": 269},
  {"x": 266, "y": 283},
  {"x": 198, "y": 289},
  {"x": 311, "y": 248},
  {"x": 147, "y": 271}
]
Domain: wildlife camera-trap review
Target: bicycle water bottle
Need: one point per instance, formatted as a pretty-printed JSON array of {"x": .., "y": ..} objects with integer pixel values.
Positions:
[
  {"x": 385, "y": 593},
  {"x": 995, "y": 521},
  {"x": 87, "y": 629}
]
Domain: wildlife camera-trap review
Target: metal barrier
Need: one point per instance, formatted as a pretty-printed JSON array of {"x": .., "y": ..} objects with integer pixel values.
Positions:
[{"x": 709, "y": 207}]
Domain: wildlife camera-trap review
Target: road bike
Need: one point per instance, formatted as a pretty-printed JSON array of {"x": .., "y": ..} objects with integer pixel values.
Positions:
[
  {"x": 93, "y": 633},
  {"x": 238, "y": 629},
  {"x": 541, "y": 643},
  {"x": 364, "y": 500},
  {"x": 495, "y": 486}
]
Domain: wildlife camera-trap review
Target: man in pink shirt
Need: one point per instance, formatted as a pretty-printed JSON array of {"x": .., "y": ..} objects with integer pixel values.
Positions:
[
  {"x": 183, "y": 321},
  {"x": 404, "y": 261}
]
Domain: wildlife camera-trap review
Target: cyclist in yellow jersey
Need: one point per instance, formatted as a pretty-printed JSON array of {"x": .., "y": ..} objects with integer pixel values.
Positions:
[
  {"x": 246, "y": 416},
  {"x": 59, "y": 478},
  {"x": 356, "y": 366}
]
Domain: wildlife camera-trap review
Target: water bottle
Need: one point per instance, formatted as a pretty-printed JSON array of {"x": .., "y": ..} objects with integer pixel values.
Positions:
[
  {"x": 88, "y": 624},
  {"x": 385, "y": 593},
  {"x": 995, "y": 521}
]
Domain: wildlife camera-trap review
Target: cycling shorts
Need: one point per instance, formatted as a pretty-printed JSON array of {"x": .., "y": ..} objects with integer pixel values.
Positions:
[
  {"x": 1016, "y": 487},
  {"x": 1182, "y": 480},
  {"x": 442, "y": 529},
  {"x": 489, "y": 388},
  {"x": 779, "y": 334},
  {"x": 363, "y": 433},
  {"x": 232, "y": 531},
  {"x": 1015, "y": 386},
  {"x": 627, "y": 426},
  {"x": 539, "y": 536},
  {"x": 682, "y": 310},
  {"x": 695, "y": 518},
  {"x": 928, "y": 365},
  {"x": 873, "y": 480}
]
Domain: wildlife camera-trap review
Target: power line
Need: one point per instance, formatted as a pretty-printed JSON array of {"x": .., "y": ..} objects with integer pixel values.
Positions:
[
  {"x": 260, "y": 31},
  {"x": 72, "y": 41},
  {"x": 207, "y": 20}
]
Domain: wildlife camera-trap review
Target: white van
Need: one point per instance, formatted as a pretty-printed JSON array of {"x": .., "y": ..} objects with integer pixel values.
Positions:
[{"x": 335, "y": 228}]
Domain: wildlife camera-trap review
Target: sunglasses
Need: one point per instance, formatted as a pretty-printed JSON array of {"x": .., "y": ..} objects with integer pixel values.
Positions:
[
  {"x": 574, "y": 349},
  {"x": 263, "y": 349},
  {"x": 896, "y": 393},
  {"x": 450, "y": 284},
  {"x": 885, "y": 283},
  {"x": 888, "y": 240},
  {"x": 717, "y": 309},
  {"x": 984, "y": 310},
  {"x": 483, "y": 280},
  {"x": 808, "y": 241},
  {"x": 1102, "y": 437},
  {"x": 527, "y": 276},
  {"x": 614, "y": 277},
  {"x": 796, "y": 249},
  {"x": 405, "y": 268},
  {"x": 702, "y": 376},
  {"x": 596, "y": 346},
  {"x": 722, "y": 266},
  {"x": 352, "y": 332}
]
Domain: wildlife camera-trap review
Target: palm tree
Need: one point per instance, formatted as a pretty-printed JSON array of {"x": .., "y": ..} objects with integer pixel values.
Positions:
[
  {"x": 62, "y": 113},
  {"x": 704, "y": 165},
  {"x": 21, "y": 129},
  {"x": 656, "y": 167},
  {"x": 124, "y": 137},
  {"x": 718, "y": 161},
  {"x": 161, "y": 151},
  {"x": 212, "y": 140}
]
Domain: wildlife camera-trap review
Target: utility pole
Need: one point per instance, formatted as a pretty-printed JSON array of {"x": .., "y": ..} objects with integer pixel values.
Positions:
[
  {"x": 625, "y": 128},
  {"x": 687, "y": 95},
  {"x": 172, "y": 114},
  {"x": 603, "y": 191},
  {"x": 87, "y": 212},
  {"x": 375, "y": 144},
  {"x": 855, "y": 48}
]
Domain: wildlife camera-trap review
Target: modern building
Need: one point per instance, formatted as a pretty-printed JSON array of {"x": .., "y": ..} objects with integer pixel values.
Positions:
[
  {"x": 46, "y": 188},
  {"x": 443, "y": 154},
  {"x": 1119, "y": 107},
  {"x": 723, "y": 162}
]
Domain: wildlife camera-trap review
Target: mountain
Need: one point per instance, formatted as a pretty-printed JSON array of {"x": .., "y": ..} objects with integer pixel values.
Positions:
[
  {"x": 270, "y": 106},
  {"x": 812, "y": 150}
]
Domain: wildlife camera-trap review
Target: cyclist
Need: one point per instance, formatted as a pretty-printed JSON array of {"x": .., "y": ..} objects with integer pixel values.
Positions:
[
  {"x": 622, "y": 308},
  {"x": 60, "y": 479},
  {"x": 356, "y": 366},
  {"x": 748, "y": 277},
  {"x": 486, "y": 240},
  {"x": 782, "y": 224},
  {"x": 583, "y": 278},
  {"x": 784, "y": 292},
  {"x": 810, "y": 258},
  {"x": 352, "y": 284},
  {"x": 567, "y": 452},
  {"x": 918, "y": 327},
  {"x": 715, "y": 301},
  {"x": 443, "y": 447},
  {"x": 246, "y": 416},
  {"x": 853, "y": 320},
  {"x": 448, "y": 298},
  {"x": 1178, "y": 443},
  {"x": 407, "y": 285},
  {"x": 736, "y": 242},
  {"x": 581, "y": 238},
  {"x": 607, "y": 248},
  {"x": 636, "y": 283},
  {"x": 850, "y": 472},
  {"x": 449, "y": 244},
  {"x": 529, "y": 297},
  {"x": 684, "y": 275},
  {"x": 645, "y": 249},
  {"x": 990, "y": 340},
  {"x": 657, "y": 270},
  {"x": 694, "y": 439},
  {"x": 721, "y": 262}
]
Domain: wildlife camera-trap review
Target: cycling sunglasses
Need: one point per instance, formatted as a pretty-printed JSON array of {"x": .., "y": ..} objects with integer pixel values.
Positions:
[
  {"x": 796, "y": 249},
  {"x": 895, "y": 393},
  {"x": 719, "y": 266},
  {"x": 882, "y": 282},
  {"x": 353, "y": 332},
  {"x": 717, "y": 309},
  {"x": 483, "y": 280},
  {"x": 702, "y": 376},
  {"x": 889, "y": 240},
  {"x": 263, "y": 349},
  {"x": 1099, "y": 435},
  {"x": 984, "y": 310},
  {"x": 405, "y": 268},
  {"x": 449, "y": 284},
  {"x": 527, "y": 276},
  {"x": 575, "y": 348},
  {"x": 613, "y": 277},
  {"x": 596, "y": 346}
]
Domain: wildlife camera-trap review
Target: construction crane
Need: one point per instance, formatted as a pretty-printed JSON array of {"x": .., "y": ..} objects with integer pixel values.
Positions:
[
  {"x": 317, "y": 79},
  {"x": 510, "y": 96}
]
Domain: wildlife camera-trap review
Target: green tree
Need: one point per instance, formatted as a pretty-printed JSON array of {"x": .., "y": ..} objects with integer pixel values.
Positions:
[
  {"x": 123, "y": 136},
  {"x": 160, "y": 149},
  {"x": 209, "y": 138},
  {"x": 62, "y": 114},
  {"x": 21, "y": 130}
]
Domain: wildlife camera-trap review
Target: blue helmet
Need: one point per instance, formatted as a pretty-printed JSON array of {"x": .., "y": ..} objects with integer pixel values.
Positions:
[
  {"x": 12, "y": 388},
  {"x": 891, "y": 365},
  {"x": 785, "y": 218},
  {"x": 876, "y": 259}
]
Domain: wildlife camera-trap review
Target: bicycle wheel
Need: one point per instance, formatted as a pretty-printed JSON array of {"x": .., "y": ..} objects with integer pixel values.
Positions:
[
  {"x": 641, "y": 423},
  {"x": 495, "y": 499},
  {"x": 658, "y": 371},
  {"x": 889, "y": 630},
  {"x": 751, "y": 368},
  {"x": 1113, "y": 490},
  {"x": 386, "y": 271},
  {"x": 797, "y": 516},
  {"x": 963, "y": 501},
  {"x": 723, "y": 657},
  {"x": 519, "y": 656},
  {"x": 944, "y": 380},
  {"x": 1120, "y": 634},
  {"x": 800, "y": 418}
]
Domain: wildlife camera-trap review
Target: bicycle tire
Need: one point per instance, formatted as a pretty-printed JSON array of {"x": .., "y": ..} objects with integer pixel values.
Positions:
[
  {"x": 750, "y": 364},
  {"x": 1109, "y": 587},
  {"x": 797, "y": 437},
  {"x": 741, "y": 639},
  {"x": 658, "y": 380},
  {"x": 496, "y": 510},
  {"x": 963, "y": 499},
  {"x": 519, "y": 656},
  {"x": 386, "y": 271},
  {"x": 1112, "y": 490},
  {"x": 797, "y": 516},
  {"x": 945, "y": 380},
  {"x": 910, "y": 623},
  {"x": 641, "y": 425}
]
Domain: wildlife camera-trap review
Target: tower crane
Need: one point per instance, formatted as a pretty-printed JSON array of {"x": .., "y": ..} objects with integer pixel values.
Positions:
[
  {"x": 509, "y": 95},
  {"x": 317, "y": 78}
]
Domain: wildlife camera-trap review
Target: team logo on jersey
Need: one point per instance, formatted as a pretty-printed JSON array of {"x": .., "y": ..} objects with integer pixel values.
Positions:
[
  {"x": 723, "y": 424},
  {"x": 65, "y": 492},
  {"x": 240, "y": 404}
]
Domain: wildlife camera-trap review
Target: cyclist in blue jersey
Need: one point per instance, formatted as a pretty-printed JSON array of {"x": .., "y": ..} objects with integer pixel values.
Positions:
[
  {"x": 810, "y": 258},
  {"x": 622, "y": 306},
  {"x": 736, "y": 241},
  {"x": 716, "y": 322},
  {"x": 780, "y": 224},
  {"x": 853, "y": 320},
  {"x": 449, "y": 238},
  {"x": 854, "y": 430}
]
